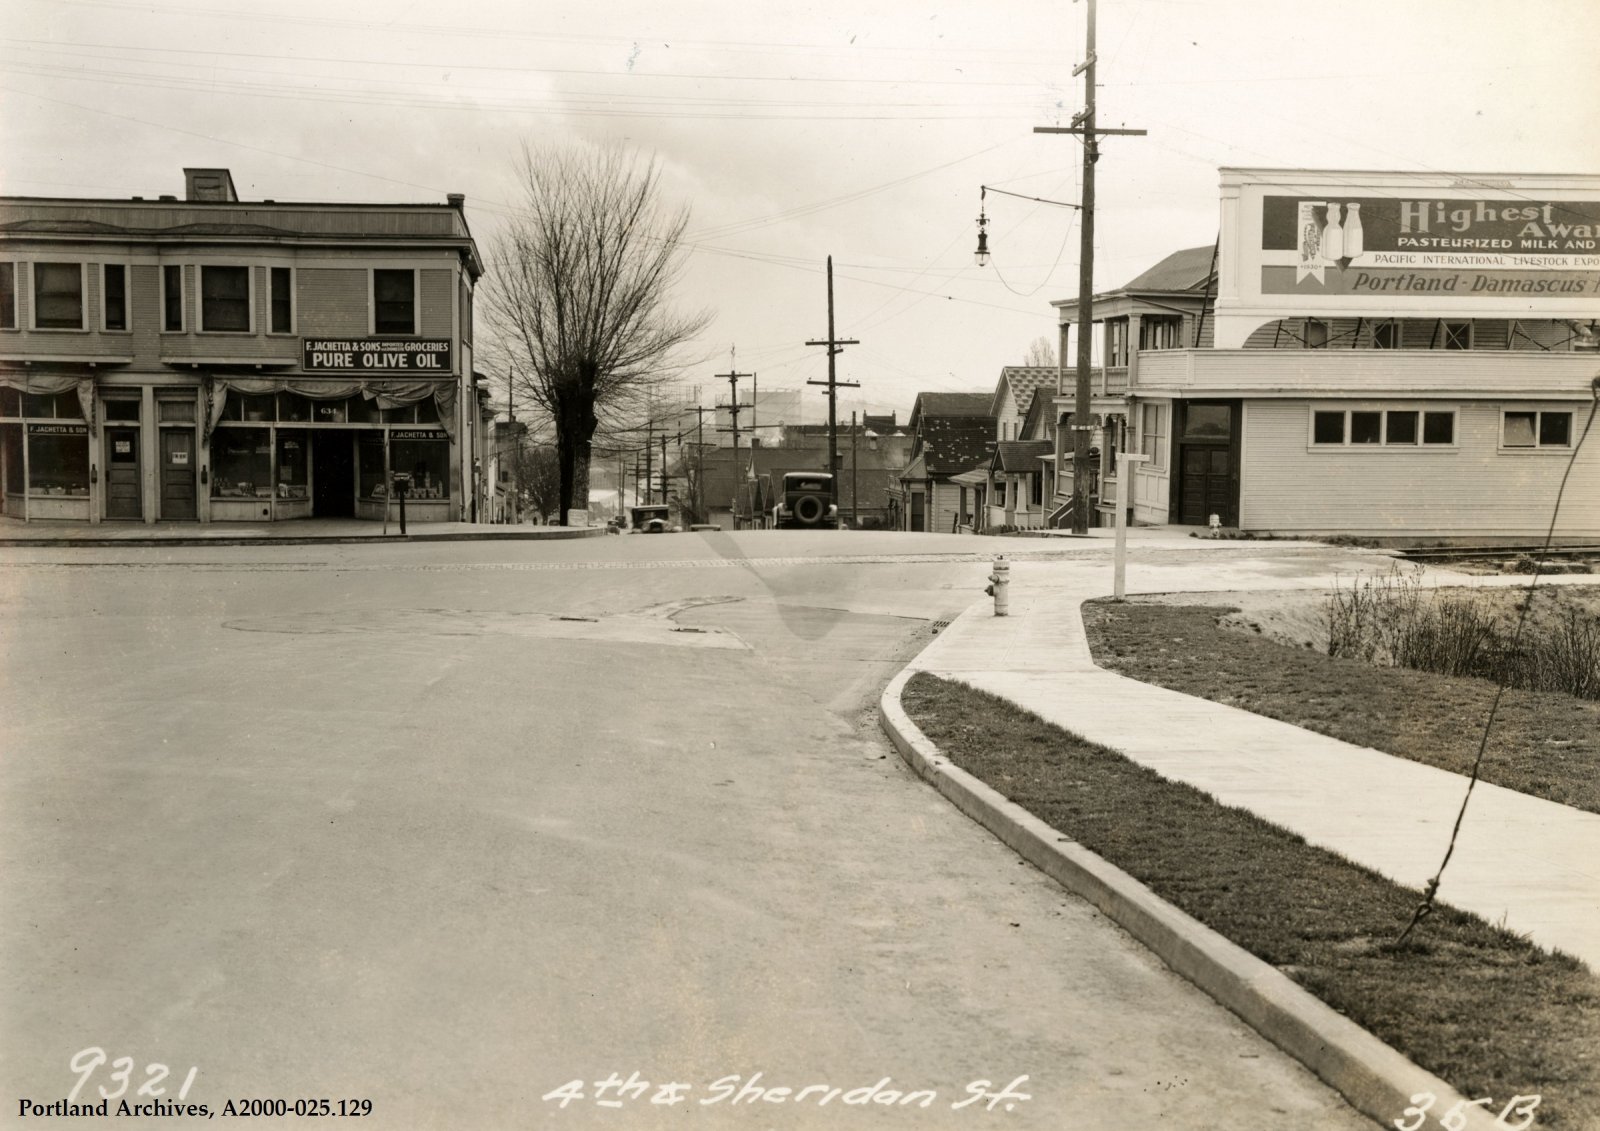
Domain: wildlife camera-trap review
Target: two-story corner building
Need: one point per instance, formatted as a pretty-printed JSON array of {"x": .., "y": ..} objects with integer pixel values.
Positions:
[
  {"x": 1378, "y": 354},
  {"x": 212, "y": 359},
  {"x": 1166, "y": 307}
]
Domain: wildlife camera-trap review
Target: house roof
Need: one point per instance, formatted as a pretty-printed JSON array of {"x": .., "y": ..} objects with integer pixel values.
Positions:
[
  {"x": 1021, "y": 455},
  {"x": 1186, "y": 270},
  {"x": 952, "y": 444},
  {"x": 1024, "y": 381},
  {"x": 952, "y": 404}
]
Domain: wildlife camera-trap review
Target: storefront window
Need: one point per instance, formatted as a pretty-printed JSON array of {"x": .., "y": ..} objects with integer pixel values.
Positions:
[
  {"x": 428, "y": 461},
  {"x": 11, "y": 439},
  {"x": 10, "y": 402},
  {"x": 370, "y": 466},
  {"x": 51, "y": 406},
  {"x": 259, "y": 408},
  {"x": 363, "y": 411},
  {"x": 328, "y": 412},
  {"x": 241, "y": 463},
  {"x": 294, "y": 447},
  {"x": 58, "y": 461},
  {"x": 120, "y": 409},
  {"x": 292, "y": 406}
]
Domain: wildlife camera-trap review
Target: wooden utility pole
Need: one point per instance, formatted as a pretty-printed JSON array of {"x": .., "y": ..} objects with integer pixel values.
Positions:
[
  {"x": 649, "y": 488},
  {"x": 1083, "y": 123},
  {"x": 665, "y": 486},
  {"x": 835, "y": 347},
  {"x": 855, "y": 514},
  {"x": 734, "y": 408},
  {"x": 700, "y": 461}
]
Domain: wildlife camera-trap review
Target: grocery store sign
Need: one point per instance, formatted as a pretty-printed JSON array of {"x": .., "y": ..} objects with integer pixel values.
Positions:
[{"x": 375, "y": 355}]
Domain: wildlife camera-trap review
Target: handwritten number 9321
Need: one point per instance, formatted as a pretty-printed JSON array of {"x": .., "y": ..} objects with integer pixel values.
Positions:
[
  {"x": 1456, "y": 1118},
  {"x": 85, "y": 1062}
]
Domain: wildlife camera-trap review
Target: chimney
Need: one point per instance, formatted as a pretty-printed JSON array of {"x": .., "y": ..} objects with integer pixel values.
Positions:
[
  {"x": 209, "y": 184},
  {"x": 457, "y": 200}
]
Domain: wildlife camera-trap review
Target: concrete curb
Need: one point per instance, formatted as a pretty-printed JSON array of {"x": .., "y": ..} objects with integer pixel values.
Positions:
[
  {"x": 1375, "y": 1079},
  {"x": 562, "y": 534}
]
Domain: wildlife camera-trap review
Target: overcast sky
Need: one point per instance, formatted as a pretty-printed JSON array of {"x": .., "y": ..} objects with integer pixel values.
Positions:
[{"x": 857, "y": 129}]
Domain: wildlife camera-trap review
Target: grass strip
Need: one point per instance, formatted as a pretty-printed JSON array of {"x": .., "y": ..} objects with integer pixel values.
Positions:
[
  {"x": 1475, "y": 1004},
  {"x": 1543, "y": 744}
]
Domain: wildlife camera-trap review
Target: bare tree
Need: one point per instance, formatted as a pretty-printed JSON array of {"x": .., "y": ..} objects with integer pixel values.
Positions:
[
  {"x": 536, "y": 471},
  {"x": 1041, "y": 352},
  {"x": 577, "y": 295}
]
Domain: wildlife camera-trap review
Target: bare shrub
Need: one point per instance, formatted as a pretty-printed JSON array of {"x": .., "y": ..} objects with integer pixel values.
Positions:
[{"x": 1390, "y": 621}]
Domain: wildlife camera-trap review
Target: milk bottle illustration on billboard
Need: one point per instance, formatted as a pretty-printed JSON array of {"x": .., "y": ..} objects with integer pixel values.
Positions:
[
  {"x": 1332, "y": 237},
  {"x": 1329, "y": 233},
  {"x": 1354, "y": 237}
]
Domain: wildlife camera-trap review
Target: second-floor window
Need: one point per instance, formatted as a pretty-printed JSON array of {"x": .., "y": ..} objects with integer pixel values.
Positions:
[
  {"x": 394, "y": 301},
  {"x": 282, "y": 301},
  {"x": 8, "y": 296},
  {"x": 225, "y": 299},
  {"x": 1458, "y": 335},
  {"x": 114, "y": 295},
  {"x": 172, "y": 297},
  {"x": 58, "y": 296},
  {"x": 1386, "y": 335}
]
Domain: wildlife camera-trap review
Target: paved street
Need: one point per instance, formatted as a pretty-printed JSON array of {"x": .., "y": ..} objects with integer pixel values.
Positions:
[{"x": 448, "y": 826}]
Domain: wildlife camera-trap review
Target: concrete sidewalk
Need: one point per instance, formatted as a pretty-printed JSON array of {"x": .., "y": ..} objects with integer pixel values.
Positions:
[
  {"x": 14, "y": 532},
  {"x": 1533, "y": 864}
]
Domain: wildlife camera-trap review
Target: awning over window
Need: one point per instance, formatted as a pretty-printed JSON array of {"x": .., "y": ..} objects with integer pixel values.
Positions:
[
  {"x": 37, "y": 383},
  {"x": 386, "y": 394}
]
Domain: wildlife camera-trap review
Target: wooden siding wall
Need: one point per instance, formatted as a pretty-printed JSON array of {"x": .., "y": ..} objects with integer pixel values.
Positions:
[
  {"x": 944, "y": 503},
  {"x": 435, "y": 297},
  {"x": 1470, "y": 489},
  {"x": 332, "y": 301}
]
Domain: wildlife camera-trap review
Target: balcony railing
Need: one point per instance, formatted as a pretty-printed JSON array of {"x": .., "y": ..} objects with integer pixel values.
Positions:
[{"x": 1381, "y": 372}]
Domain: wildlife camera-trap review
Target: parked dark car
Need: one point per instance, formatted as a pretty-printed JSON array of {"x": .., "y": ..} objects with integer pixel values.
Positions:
[{"x": 806, "y": 501}]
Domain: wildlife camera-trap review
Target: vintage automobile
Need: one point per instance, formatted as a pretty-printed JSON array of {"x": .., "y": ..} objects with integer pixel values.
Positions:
[
  {"x": 806, "y": 501},
  {"x": 654, "y": 518}
]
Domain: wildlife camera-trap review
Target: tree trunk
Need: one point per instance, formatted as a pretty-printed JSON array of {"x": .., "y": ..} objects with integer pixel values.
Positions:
[{"x": 574, "y": 432}]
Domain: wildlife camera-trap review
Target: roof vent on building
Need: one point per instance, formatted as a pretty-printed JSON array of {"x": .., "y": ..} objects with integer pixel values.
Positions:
[
  {"x": 166, "y": 196},
  {"x": 209, "y": 184},
  {"x": 138, "y": 198}
]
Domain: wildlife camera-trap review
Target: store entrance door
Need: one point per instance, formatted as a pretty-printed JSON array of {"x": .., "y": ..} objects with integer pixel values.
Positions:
[
  {"x": 333, "y": 474},
  {"x": 122, "y": 473},
  {"x": 1207, "y": 485},
  {"x": 177, "y": 475}
]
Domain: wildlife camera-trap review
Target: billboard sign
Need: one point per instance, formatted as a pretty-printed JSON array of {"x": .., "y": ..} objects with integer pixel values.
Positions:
[{"x": 1331, "y": 244}]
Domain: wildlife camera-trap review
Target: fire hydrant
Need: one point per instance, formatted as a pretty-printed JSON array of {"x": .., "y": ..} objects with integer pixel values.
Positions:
[{"x": 1000, "y": 586}]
